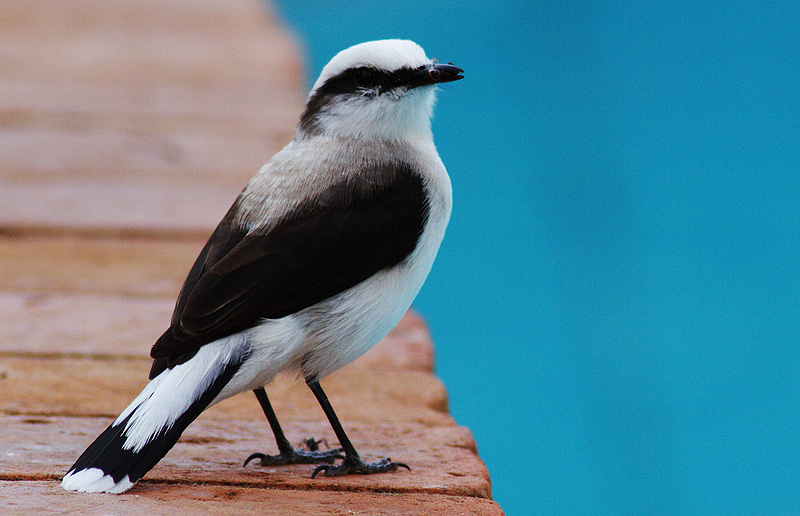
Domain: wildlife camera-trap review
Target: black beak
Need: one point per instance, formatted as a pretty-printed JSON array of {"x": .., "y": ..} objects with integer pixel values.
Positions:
[
  {"x": 444, "y": 72},
  {"x": 434, "y": 73}
]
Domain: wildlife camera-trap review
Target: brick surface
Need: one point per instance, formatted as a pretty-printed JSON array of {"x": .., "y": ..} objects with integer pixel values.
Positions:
[
  {"x": 88, "y": 386},
  {"x": 44, "y": 323},
  {"x": 109, "y": 265},
  {"x": 41, "y": 497},
  {"x": 139, "y": 114},
  {"x": 443, "y": 459}
]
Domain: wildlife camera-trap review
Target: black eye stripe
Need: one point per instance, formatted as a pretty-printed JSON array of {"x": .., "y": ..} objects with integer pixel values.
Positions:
[
  {"x": 351, "y": 80},
  {"x": 345, "y": 83}
]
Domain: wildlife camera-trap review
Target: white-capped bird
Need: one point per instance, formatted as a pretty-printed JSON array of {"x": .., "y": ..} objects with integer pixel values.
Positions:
[{"x": 318, "y": 258}]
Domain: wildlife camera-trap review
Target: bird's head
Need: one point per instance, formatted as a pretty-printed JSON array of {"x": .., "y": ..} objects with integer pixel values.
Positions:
[{"x": 376, "y": 90}]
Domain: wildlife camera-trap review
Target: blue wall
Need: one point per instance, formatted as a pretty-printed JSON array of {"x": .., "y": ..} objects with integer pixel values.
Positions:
[{"x": 616, "y": 306}]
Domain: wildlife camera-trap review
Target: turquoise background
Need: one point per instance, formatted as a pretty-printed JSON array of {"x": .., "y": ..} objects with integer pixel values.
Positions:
[{"x": 616, "y": 304}]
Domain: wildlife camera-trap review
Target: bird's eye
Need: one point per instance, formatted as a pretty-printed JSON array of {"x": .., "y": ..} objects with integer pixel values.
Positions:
[{"x": 365, "y": 77}]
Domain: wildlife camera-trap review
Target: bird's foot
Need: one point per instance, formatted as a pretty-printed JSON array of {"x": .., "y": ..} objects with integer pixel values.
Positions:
[
  {"x": 295, "y": 456},
  {"x": 312, "y": 444},
  {"x": 352, "y": 466}
]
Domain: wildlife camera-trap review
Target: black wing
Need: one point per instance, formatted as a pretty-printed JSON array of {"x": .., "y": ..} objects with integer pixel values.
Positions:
[{"x": 326, "y": 245}]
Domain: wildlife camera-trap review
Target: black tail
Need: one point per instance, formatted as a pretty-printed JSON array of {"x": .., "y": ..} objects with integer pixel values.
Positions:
[{"x": 113, "y": 464}]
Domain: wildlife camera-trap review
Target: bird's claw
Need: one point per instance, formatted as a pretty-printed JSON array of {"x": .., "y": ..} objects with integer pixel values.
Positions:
[
  {"x": 296, "y": 457},
  {"x": 312, "y": 444},
  {"x": 359, "y": 467}
]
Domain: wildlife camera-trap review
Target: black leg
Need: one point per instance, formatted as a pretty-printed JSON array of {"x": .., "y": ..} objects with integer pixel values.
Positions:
[
  {"x": 352, "y": 462},
  {"x": 287, "y": 454}
]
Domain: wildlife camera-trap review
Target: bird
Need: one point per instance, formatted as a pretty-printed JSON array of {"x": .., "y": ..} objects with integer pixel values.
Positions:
[{"x": 317, "y": 259}]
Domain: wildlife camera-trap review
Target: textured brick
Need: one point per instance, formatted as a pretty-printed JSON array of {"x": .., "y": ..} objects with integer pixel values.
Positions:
[
  {"x": 443, "y": 459},
  {"x": 137, "y": 114},
  {"x": 40, "y": 497},
  {"x": 59, "y": 264},
  {"x": 45, "y": 323},
  {"x": 88, "y": 386}
]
